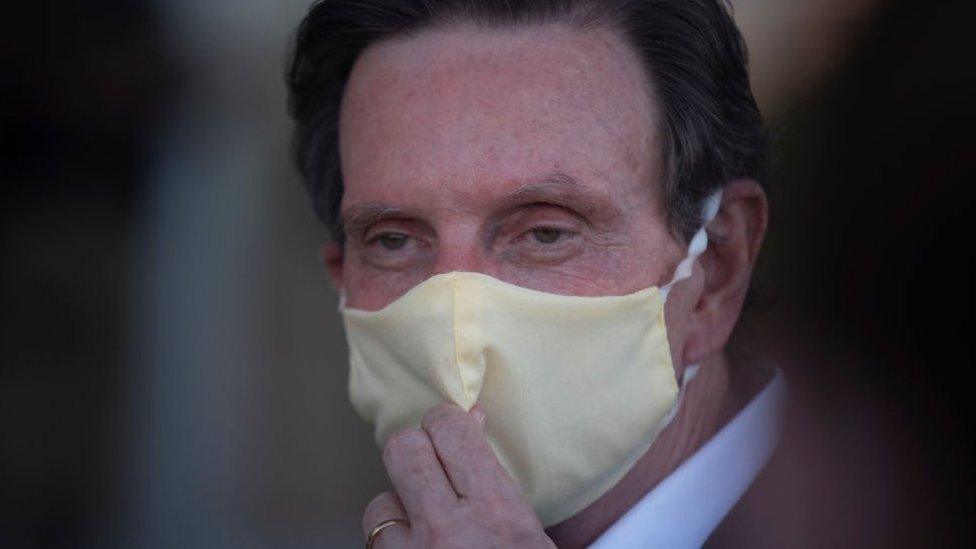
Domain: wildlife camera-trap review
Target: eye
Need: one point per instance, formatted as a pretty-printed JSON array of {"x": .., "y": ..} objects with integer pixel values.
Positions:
[
  {"x": 392, "y": 241},
  {"x": 547, "y": 235}
]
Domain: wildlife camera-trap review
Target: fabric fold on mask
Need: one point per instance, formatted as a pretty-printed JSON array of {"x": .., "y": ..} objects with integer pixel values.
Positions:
[{"x": 575, "y": 388}]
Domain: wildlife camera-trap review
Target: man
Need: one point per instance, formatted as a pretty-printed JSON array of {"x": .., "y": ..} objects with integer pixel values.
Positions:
[{"x": 534, "y": 151}]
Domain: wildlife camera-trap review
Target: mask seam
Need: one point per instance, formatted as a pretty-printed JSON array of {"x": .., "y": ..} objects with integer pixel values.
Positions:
[
  {"x": 673, "y": 412},
  {"x": 457, "y": 355}
]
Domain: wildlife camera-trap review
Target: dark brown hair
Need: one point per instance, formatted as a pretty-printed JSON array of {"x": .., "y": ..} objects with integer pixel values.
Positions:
[{"x": 692, "y": 51}]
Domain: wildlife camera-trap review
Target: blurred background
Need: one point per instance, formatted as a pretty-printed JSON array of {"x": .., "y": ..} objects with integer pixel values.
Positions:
[{"x": 173, "y": 369}]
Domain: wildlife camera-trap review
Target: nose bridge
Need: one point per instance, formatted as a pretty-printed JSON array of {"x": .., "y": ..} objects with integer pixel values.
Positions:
[
  {"x": 459, "y": 249},
  {"x": 466, "y": 258}
]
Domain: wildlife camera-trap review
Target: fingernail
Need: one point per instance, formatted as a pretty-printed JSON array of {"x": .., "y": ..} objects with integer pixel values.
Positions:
[{"x": 479, "y": 414}]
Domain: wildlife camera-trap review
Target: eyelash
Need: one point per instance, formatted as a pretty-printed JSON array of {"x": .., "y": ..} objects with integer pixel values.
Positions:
[
  {"x": 377, "y": 239},
  {"x": 563, "y": 233}
]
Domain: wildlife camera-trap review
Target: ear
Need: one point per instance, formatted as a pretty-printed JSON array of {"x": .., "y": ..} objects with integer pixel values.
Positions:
[
  {"x": 332, "y": 260},
  {"x": 734, "y": 239}
]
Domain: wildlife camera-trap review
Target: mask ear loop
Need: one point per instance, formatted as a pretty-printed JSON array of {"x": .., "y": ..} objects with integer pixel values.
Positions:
[
  {"x": 698, "y": 243},
  {"x": 690, "y": 372}
]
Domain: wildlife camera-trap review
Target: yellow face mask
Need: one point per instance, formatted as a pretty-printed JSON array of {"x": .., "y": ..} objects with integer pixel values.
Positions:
[{"x": 575, "y": 388}]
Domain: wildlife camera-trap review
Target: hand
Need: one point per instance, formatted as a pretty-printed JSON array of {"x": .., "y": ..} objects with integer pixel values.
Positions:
[{"x": 451, "y": 489}]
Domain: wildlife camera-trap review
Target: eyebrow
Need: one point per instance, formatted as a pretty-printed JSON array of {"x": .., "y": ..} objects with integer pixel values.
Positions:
[
  {"x": 556, "y": 188},
  {"x": 564, "y": 190},
  {"x": 360, "y": 216}
]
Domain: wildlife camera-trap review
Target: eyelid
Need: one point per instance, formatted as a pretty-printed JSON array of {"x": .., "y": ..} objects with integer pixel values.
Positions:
[
  {"x": 566, "y": 208},
  {"x": 529, "y": 252},
  {"x": 386, "y": 226},
  {"x": 567, "y": 227},
  {"x": 410, "y": 241},
  {"x": 562, "y": 230},
  {"x": 553, "y": 225},
  {"x": 518, "y": 225},
  {"x": 371, "y": 236},
  {"x": 375, "y": 254}
]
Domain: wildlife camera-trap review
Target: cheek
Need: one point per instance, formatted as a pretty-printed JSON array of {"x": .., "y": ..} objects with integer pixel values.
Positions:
[
  {"x": 370, "y": 290},
  {"x": 674, "y": 321}
]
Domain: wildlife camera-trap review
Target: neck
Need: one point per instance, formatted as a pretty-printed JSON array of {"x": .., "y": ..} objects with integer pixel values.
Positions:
[{"x": 707, "y": 405}]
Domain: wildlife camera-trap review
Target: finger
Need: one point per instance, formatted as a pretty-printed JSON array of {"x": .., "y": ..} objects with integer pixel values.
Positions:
[
  {"x": 463, "y": 449},
  {"x": 417, "y": 475},
  {"x": 384, "y": 507},
  {"x": 478, "y": 413}
]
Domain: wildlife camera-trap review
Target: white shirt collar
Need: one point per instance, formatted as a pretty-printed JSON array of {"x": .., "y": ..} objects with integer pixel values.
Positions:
[{"x": 684, "y": 509}]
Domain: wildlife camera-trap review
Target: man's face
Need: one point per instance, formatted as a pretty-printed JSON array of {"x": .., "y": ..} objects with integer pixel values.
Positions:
[{"x": 531, "y": 155}]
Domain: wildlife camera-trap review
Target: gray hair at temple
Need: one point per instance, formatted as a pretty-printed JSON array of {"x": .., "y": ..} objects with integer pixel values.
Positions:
[{"x": 692, "y": 51}]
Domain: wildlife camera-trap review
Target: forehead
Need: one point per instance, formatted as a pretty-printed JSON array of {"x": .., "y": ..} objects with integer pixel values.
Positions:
[{"x": 471, "y": 111}]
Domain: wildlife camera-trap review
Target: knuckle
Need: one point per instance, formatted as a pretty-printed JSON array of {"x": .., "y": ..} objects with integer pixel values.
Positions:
[
  {"x": 378, "y": 508},
  {"x": 510, "y": 521},
  {"x": 441, "y": 536},
  {"x": 405, "y": 442},
  {"x": 380, "y": 503},
  {"x": 442, "y": 420}
]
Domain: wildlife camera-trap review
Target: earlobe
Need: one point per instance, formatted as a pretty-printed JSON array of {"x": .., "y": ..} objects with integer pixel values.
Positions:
[
  {"x": 735, "y": 238},
  {"x": 332, "y": 260}
]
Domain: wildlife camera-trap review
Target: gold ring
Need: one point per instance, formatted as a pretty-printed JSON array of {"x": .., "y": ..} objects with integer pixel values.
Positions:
[{"x": 379, "y": 528}]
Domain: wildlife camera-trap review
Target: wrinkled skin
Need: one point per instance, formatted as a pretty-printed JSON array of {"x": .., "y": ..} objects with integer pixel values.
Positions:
[
  {"x": 451, "y": 489},
  {"x": 532, "y": 156}
]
